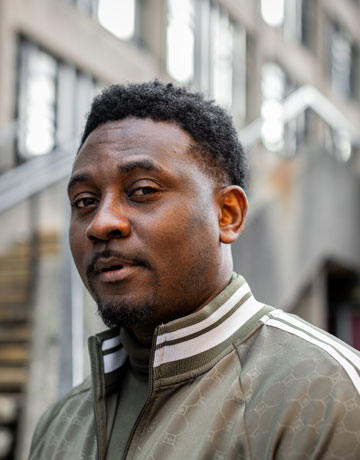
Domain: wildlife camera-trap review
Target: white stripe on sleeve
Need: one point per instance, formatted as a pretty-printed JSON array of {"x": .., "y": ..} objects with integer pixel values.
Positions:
[
  {"x": 350, "y": 355},
  {"x": 349, "y": 369}
]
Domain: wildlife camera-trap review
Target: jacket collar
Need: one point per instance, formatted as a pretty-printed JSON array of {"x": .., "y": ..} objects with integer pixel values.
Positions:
[{"x": 188, "y": 345}]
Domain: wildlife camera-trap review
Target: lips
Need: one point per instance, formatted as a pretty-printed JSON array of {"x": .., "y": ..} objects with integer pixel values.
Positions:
[
  {"x": 109, "y": 264},
  {"x": 114, "y": 269}
]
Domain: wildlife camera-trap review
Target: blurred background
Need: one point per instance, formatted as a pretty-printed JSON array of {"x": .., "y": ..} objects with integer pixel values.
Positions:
[{"x": 289, "y": 73}]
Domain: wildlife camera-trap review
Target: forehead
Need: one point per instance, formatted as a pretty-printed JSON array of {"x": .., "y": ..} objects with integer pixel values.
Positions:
[{"x": 117, "y": 140}]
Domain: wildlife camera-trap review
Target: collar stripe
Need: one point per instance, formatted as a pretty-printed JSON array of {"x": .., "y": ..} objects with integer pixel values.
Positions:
[
  {"x": 215, "y": 325},
  {"x": 210, "y": 339},
  {"x": 113, "y": 361},
  {"x": 207, "y": 322},
  {"x": 111, "y": 343}
]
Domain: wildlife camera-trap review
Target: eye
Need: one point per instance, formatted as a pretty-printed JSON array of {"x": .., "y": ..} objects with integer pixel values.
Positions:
[
  {"x": 143, "y": 192},
  {"x": 82, "y": 203}
]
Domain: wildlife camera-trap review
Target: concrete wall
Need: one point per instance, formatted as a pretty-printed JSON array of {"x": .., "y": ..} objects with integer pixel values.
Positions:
[{"x": 314, "y": 218}]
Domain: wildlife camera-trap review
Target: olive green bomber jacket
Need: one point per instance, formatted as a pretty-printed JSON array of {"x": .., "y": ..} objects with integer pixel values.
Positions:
[{"x": 235, "y": 380}]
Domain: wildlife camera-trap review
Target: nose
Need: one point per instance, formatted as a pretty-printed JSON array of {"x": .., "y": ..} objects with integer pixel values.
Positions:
[{"x": 109, "y": 222}]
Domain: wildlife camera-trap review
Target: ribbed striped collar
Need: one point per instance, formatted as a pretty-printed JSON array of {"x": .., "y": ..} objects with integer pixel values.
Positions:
[{"x": 192, "y": 343}]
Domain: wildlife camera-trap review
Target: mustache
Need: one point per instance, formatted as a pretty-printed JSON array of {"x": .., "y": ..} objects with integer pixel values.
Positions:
[{"x": 134, "y": 259}]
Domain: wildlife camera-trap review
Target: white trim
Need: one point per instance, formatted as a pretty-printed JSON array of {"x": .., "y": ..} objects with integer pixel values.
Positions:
[
  {"x": 350, "y": 355},
  {"x": 111, "y": 343},
  {"x": 114, "y": 360},
  {"x": 349, "y": 369},
  {"x": 209, "y": 321},
  {"x": 210, "y": 339}
]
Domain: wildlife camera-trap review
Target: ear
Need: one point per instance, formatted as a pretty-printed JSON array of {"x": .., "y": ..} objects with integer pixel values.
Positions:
[{"x": 232, "y": 213}]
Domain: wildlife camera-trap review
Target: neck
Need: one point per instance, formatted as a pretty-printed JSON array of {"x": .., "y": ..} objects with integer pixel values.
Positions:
[{"x": 144, "y": 333}]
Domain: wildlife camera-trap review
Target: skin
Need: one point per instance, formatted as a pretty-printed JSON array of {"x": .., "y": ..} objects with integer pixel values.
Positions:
[{"x": 144, "y": 211}]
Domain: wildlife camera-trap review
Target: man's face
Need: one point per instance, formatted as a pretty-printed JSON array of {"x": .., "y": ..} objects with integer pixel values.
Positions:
[{"x": 144, "y": 229}]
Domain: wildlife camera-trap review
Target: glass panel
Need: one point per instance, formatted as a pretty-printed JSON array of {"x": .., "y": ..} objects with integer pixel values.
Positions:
[
  {"x": 84, "y": 94},
  {"x": 87, "y": 5},
  {"x": 273, "y": 86},
  {"x": 341, "y": 58},
  {"x": 37, "y": 102},
  {"x": 118, "y": 17},
  {"x": 239, "y": 74},
  {"x": 272, "y": 12},
  {"x": 202, "y": 64},
  {"x": 180, "y": 40},
  {"x": 65, "y": 104},
  {"x": 222, "y": 58}
]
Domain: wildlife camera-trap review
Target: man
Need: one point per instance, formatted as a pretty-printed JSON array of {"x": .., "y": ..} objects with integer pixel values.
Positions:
[{"x": 192, "y": 367}]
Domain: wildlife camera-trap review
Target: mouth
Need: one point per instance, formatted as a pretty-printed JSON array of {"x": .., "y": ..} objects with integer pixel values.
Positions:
[
  {"x": 114, "y": 267},
  {"x": 112, "y": 270}
]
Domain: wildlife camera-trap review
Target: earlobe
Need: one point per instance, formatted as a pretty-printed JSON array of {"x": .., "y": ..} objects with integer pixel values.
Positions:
[{"x": 233, "y": 209}]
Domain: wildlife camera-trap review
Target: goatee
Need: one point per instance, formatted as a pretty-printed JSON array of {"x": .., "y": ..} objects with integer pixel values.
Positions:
[{"x": 124, "y": 314}]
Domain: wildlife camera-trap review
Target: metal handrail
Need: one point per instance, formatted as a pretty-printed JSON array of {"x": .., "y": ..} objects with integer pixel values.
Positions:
[
  {"x": 305, "y": 97},
  {"x": 33, "y": 176}
]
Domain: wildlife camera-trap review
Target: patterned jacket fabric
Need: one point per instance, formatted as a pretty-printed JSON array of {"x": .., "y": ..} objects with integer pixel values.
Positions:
[{"x": 235, "y": 380}]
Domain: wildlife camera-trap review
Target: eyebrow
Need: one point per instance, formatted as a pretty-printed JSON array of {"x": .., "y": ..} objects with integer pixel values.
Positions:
[
  {"x": 148, "y": 165},
  {"x": 82, "y": 177}
]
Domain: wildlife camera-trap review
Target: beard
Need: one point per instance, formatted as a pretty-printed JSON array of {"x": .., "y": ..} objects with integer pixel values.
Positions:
[
  {"x": 124, "y": 313},
  {"x": 121, "y": 311}
]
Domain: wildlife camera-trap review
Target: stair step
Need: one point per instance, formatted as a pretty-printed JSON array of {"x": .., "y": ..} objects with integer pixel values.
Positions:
[
  {"x": 12, "y": 378},
  {"x": 8, "y": 289},
  {"x": 20, "y": 251},
  {"x": 14, "y": 333},
  {"x": 14, "y": 312},
  {"x": 9, "y": 405},
  {"x": 15, "y": 270},
  {"x": 13, "y": 354},
  {"x": 22, "y": 277},
  {"x": 12, "y": 263},
  {"x": 12, "y": 297}
]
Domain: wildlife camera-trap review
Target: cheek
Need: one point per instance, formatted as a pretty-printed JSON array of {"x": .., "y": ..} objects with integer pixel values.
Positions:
[
  {"x": 76, "y": 241},
  {"x": 180, "y": 235}
]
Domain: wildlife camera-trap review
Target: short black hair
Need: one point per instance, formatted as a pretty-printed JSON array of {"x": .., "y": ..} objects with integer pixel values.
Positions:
[{"x": 216, "y": 144}]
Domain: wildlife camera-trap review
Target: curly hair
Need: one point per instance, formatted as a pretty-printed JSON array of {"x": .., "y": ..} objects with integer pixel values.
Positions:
[{"x": 216, "y": 146}]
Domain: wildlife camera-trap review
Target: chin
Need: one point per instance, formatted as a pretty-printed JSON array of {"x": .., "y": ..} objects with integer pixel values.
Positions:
[{"x": 124, "y": 313}]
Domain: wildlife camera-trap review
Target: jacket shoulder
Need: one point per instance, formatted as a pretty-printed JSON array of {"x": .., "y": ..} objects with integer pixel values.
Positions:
[
  {"x": 302, "y": 390},
  {"x": 77, "y": 395}
]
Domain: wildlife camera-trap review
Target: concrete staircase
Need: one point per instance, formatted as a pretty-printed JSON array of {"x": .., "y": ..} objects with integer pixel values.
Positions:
[{"x": 17, "y": 282}]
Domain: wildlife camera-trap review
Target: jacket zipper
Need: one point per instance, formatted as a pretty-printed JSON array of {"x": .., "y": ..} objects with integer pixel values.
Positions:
[
  {"x": 145, "y": 406},
  {"x": 99, "y": 443},
  {"x": 100, "y": 413}
]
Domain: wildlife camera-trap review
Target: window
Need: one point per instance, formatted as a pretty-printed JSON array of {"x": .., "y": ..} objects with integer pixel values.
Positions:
[
  {"x": 342, "y": 60},
  {"x": 222, "y": 68},
  {"x": 275, "y": 87},
  {"x": 299, "y": 21},
  {"x": 118, "y": 17},
  {"x": 207, "y": 50},
  {"x": 272, "y": 12},
  {"x": 88, "y": 6},
  {"x": 36, "y": 101},
  {"x": 53, "y": 98},
  {"x": 180, "y": 40}
]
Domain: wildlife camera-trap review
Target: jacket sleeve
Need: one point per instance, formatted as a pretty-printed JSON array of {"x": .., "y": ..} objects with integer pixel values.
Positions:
[{"x": 302, "y": 404}]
